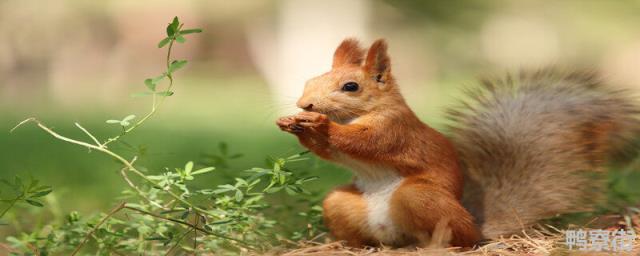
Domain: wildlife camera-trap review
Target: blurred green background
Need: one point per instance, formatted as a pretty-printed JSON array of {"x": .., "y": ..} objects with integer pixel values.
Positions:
[{"x": 78, "y": 61}]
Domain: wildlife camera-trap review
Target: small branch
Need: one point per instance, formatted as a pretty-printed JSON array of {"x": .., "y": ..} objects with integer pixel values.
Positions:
[
  {"x": 86, "y": 238},
  {"x": 178, "y": 242},
  {"x": 13, "y": 202},
  {"x": 89, "y": 134},
  {"x": 8, "y": 249},
  {"x": 22, "y": 123},
  {"x": 123, "y": 173},
  {"x": 154, "y": 106},
  {"x": 110, "y": 153},
  {"x": 195, "y": 234},
  {"x": 167, "y": 219},
  {"x": 188, "y": 224}
]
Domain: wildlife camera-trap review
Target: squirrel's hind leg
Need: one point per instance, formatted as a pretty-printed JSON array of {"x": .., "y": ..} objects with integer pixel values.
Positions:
[
  {"x": 345, "y": 214},
  {"x": 433, "y": 216}
]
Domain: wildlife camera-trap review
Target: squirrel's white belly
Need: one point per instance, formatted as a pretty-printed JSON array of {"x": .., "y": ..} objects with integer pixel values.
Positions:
[
  {"x": 377, "y": 185},
  {"x": 378, "y": 196}
]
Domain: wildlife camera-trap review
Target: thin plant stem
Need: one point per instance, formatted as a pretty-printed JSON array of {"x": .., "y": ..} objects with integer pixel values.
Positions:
[
  {"x": 130, "y": 166},
  {"x": 154, "y": 106},
  {"x": 123, "y": 173},
  {"x": 188, "y": 224},
  {"x": 178, "y": 242},
  {"x": 13, "y": 202},
  {"x": 89, "y": 134},
  {"x": 86, "y": 238},
  {"x": 195, "y": 234}
]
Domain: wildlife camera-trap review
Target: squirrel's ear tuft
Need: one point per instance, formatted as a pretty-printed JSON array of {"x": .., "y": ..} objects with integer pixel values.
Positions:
[
  {"x": 378, "y": 64},
  {"x": 348, "y": 53}
]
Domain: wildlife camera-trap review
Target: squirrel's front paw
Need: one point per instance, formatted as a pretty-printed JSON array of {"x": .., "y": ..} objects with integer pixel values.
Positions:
[
  {"x": 289, "y": 124},
  {"x": 311, "y": 119}
]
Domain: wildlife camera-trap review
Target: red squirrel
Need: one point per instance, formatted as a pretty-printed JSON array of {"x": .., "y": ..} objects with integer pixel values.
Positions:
[{"x": 521, "y": 145}]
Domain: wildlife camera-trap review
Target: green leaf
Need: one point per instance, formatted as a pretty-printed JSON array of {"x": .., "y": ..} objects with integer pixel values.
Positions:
[
  {"x": 190, "y": 31},
  {"x": 239, "y": 196},
  {"x": 254, "y": 199},
  {"x": 175, "y": 65},
  {"x": 276, "y": 167},
  {"x": 273, "y": 190},
  {"x": 129, "y": 118},
  {"x": 34, "y": 203},
  {"x": 173, "y": 27},
  {"x": 229, "y": 186},
  {"x": 203, "y": 170},
  {"x": 170, "y": 31},
  {"x": 221, "y": 190},
  {"x": 125, "y": 121},
  {"x": 224, "y": 188},
  {"x": 306, "y": 179},
  {"x": 159, "y": 78},
  {"x": 218, "y": 222},
  {"x": 175, "y": 23},
  {"x": 40, "y": 188},
  {"x": 242, "y": 182},
  {"x": 188, "y": 167},
  {"x": 180, "y": 39},
  {"x": 150, "y": 84},
  {"x": 73, "y": 216},
  {"x": 254, "y": 182},
  {"x": 155, "y": 177},
  {"x": 185, "y": 215},
  {"x": 165, "y": 93},
  {"x": 33, "y": 183},
  {"x": 206, "y": 191},
  {"x": 155, "y": 238},
  {"x": 290, "y": 191},
  {"x": 42, "y": 193},
  {"x": 112, "y": 121},
  {"x": 164, "y": 42}
]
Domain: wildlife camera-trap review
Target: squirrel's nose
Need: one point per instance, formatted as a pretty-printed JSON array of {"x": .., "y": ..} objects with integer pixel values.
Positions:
[
  {"x": 308, "y": 107},
  {"x": 304, "y": 104}
]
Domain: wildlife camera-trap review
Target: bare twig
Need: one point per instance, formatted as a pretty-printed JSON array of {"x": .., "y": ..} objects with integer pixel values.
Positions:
[
  {"x": 86, "y": 238},
  {"x": 8, "y": 249},
  {"x": 195, "y": 234},
  {"x": 123, "y": 173},
  {"x": 129, "y": 165},
  {"x": 178, "y": 242},
  {"x": 187, "y": 224},
  {"x": 90, "y": 135},
  {"x": 22, "y": 123}
]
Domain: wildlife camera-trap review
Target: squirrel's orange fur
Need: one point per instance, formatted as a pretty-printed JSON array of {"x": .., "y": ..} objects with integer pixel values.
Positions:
[{"x": 408, "y": 181}]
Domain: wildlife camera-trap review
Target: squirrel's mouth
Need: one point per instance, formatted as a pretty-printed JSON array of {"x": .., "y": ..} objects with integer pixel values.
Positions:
[{"x": 340, "y": 117}]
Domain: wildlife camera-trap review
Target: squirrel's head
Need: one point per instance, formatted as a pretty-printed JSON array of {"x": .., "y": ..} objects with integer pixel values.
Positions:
[{"x": 355, "y": 86}]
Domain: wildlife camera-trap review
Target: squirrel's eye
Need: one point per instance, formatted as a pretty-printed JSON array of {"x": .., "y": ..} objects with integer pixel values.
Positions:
[{"x": 350, "y": 87}]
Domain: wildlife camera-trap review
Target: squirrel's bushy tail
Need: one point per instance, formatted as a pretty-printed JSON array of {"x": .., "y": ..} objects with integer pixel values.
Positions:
[{"x": 531, "y": 145}]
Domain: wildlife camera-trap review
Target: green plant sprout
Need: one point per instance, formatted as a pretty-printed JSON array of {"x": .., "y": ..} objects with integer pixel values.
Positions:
[
  {"x": 224, "y": 218},
  {"x": 28, "y": 192}
]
